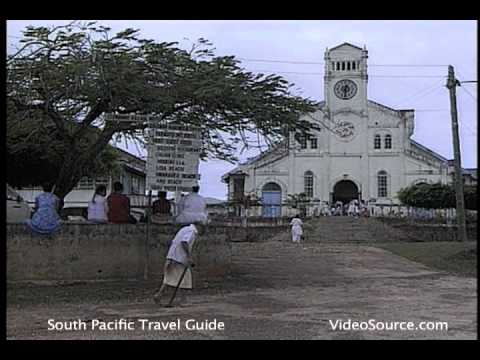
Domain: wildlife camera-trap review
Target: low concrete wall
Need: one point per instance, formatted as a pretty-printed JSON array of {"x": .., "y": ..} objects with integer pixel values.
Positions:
[
  {"x": 417, "y": 231},
  {"x": 85, "y": 251},
  {"x": 106, "y": 252}
]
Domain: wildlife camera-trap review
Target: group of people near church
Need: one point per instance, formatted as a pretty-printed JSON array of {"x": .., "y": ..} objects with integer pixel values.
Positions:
[{"x": 353, "y": 208}]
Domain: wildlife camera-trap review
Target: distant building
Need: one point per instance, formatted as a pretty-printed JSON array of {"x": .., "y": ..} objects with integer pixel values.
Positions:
[
  {"x": 360, "y": 150},
  {"x": 216, "y": 207},
  {"x": 469, "y": 175},
  {"x": 132, "y": 175}
]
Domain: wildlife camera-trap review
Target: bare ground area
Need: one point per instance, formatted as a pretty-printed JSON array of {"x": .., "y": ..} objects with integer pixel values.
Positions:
[{"x": 276, "y": 290}]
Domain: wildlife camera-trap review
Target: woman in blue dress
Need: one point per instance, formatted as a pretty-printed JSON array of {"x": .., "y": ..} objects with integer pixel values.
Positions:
[{"x": 45, "y": 220}]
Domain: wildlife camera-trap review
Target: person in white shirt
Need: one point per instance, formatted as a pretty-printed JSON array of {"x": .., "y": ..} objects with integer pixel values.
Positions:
[
  {"x": 98, "y": 207},
  {"x": 192, "y": 208},
  {"x": 325, "y": 209},
  {"x": 179, "y": 258},
  {"x": 297, "y": 230},
  {"x": 353, "y": 208}
]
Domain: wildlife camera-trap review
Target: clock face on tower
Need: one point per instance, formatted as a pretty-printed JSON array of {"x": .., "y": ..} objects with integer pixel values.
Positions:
[{"x": 345, "y": 89}]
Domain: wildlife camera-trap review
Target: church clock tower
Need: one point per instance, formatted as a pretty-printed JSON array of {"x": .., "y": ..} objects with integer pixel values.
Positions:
[{"x": 346, "y": 79}]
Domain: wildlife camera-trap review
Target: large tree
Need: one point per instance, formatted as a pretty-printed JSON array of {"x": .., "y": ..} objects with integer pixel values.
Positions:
[
  {"x": 35, "y": 151},
  {"x": 76, "y": 73}
]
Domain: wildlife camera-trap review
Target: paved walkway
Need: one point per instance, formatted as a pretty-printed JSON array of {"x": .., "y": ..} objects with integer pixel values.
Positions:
[{"x": 281, "y": 290}]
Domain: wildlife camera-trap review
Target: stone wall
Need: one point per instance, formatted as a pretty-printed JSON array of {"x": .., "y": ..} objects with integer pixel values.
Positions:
[
  {"x": 417, "y": 231},
  {"x": 84, "y": 251},
  {"x": 105, "y": 252}
]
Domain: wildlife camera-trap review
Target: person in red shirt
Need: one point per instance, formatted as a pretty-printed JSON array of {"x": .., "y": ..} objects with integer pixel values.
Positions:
[
  {"x": 118, "y": 206},
  {"x": 162, "y": 205}
]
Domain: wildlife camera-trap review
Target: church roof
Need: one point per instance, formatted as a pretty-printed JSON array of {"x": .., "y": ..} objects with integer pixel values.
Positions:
[
  {"x": 371, "y": 102},
  {"x": 259, "y": 157},
  {"x": 431, "y": 152},
  {"x": 345, "y": 44}
]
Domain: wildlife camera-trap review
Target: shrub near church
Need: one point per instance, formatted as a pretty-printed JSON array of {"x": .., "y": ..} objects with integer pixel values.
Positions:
[{"x": 436, "y": 196}]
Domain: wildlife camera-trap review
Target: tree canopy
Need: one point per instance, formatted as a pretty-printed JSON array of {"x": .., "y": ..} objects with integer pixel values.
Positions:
[{"x": 66, "y": 78}]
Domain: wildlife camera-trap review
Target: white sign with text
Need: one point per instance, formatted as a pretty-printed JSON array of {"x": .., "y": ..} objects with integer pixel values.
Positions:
[{"x": 173, "y": 158}]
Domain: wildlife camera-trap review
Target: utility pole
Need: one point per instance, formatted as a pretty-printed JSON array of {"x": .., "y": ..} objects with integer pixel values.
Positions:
[{"x": 452, "y": 83}]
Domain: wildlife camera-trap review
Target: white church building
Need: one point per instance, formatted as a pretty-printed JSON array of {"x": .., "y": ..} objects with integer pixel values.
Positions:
[{"x": 361, "y": 150}]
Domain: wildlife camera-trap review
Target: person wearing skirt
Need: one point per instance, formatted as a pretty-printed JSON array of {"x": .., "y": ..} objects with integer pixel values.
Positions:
[{"x": 179, "y": 258}]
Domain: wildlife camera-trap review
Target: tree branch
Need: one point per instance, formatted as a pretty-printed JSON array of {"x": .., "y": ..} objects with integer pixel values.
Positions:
[{"x": 97, "y": 110}]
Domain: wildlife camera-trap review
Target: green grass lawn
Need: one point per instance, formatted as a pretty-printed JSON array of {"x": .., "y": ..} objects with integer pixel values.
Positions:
[{"x": 441, "y": 255}]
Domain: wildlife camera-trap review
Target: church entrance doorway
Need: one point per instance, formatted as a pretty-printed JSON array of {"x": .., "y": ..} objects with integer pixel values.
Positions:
[
  {"x": 345, "y": 191},
  {"x": 271, "y": 200}
]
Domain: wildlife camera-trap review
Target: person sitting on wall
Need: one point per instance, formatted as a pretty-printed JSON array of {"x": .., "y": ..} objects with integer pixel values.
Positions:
[
  {"x": 119, "y": 206},
  {"x": 179, "y": 261},
  {"x": 97, "y": 207},
  {"x": 45, "y": 219},
  {"x": 161, "y": 206},
  {"x": 192, "y": 208}
]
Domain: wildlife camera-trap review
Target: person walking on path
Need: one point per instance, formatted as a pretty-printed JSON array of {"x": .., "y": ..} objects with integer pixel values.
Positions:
[
  {"x": 180, "y": 259},
  {"x": 297, "y": 230},
  {"x": 45, "y": 220}
]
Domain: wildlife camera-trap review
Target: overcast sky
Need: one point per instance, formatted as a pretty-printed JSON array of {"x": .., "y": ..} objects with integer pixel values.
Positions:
[{"x": 416, "y": 42}]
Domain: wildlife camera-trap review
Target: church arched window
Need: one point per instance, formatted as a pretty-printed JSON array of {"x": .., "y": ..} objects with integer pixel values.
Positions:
[
  {"x": 308, "y": 184},
  {"x": 382, "y": 184},
  {"x": 353, "y": 65},
  {"x": 338, "y": 65},
  {"x": 303, "y": 142},
  {"x": 343, "y": 65},
  {"x": 348, "y": 65},
  {"x": 388, "y": 141},
  {"x": 377, "y": 142}
]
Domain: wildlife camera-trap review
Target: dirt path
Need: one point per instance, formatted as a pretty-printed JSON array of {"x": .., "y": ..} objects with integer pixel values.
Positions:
[{"x": 278, "y": 290}]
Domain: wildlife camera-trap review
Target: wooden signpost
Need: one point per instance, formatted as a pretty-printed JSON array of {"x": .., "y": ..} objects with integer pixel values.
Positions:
[{"x": 173, "y": 157}]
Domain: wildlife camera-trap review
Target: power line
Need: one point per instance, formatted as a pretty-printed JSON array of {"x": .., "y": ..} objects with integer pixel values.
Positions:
[
  {"x": 409, "y": 76},
  {"x": 422, "y": 93},
  {"x": 322, "y": 63},
  {"x": 408, "y": 65},
  {"x": 373, "y": 76},
  {"x": 464, "y": 124},
  {"x": 472, "y": 132},
  {"x": 282, "y": 61},
  {"x": 469, "y": 93},
  {"x": 461, "y": 112},
  {"x": 430, "y": 110}
]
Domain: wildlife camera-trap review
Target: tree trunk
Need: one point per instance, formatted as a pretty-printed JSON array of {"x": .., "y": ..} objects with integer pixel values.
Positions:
[
  {"x": 68, "y": 177},
  {"x": 74, "y": 164}
]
